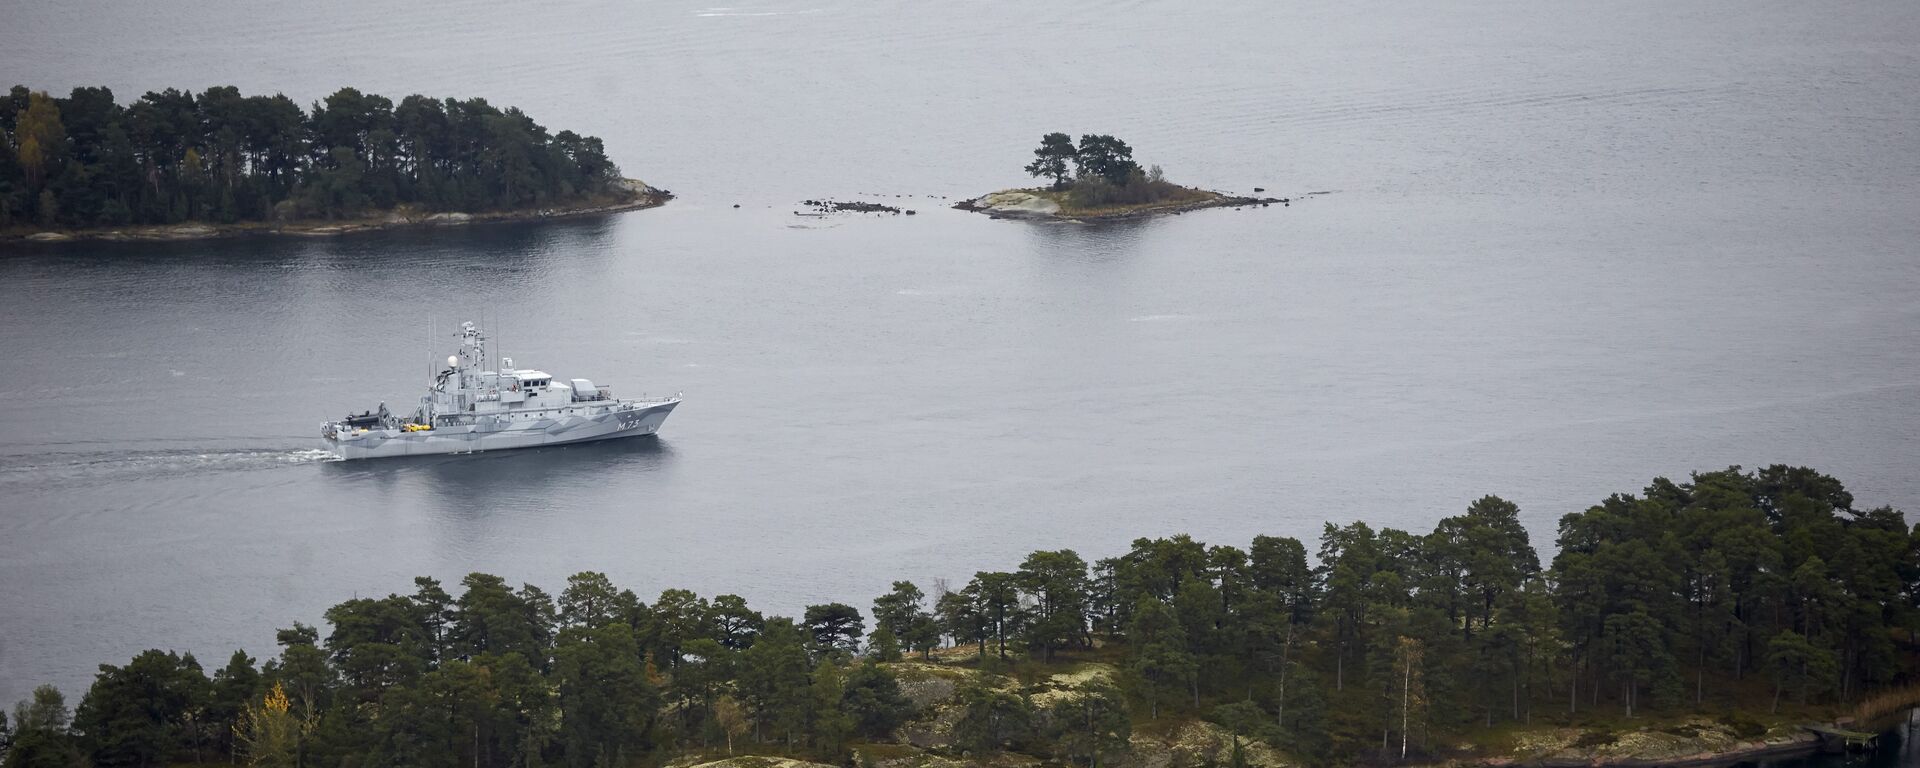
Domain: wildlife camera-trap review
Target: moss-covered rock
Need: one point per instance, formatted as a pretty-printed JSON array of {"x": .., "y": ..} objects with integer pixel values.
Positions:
[{"x": 1195, "y": 743}]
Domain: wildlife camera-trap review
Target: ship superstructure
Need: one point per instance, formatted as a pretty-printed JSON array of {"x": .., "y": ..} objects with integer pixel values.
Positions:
[{"x": 470, "y": 408}]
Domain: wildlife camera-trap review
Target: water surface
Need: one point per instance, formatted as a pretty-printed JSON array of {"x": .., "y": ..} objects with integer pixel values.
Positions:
[{"x": 1564, "y": 249}]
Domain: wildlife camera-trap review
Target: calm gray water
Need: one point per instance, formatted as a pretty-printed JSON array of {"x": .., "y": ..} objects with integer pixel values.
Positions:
[{"x": 1567, "y": 247}]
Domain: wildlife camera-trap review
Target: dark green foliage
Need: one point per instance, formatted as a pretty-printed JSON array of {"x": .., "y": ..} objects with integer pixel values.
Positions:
[
  {"x": 677, "y": 618},
  {"x": 835, "y": 627},
  {"x": 145, "y": 713},
  {"x": 1090, "y": 727},
  {"x": 883, "y": 646},
  {"x": 828, "y": 721},
  {"x": 872, "y": 698},
  {"x": 773, "y": 681},
  {"x": 173, "y": 156},
  {"x": 1053, "y": 159},
  {"x": 1693, "y": 597},
  {"x": 494, "y": 619},
  {"x": 735, "y": 625},
  {"x": 990, "y": 719},
  {"x": 233, "y": 687},
  {"x": 606, "y": 702},
  {"x": 897, "y": 609},
  {"x": 900, "y": 616},
  {"x": 590, "y": 600},
  {"x": 40, "y": 738},
  {"x": 1161, "y": 656},
  {"x": 1057, "y": 583},
  {"x": 959, "y": 618},
  {"x": 996, "y": 603},
  {"x": 1103, "y": 172},
  {"x": 302, "y": 668},
  {"x": 1104, "y": 156}
]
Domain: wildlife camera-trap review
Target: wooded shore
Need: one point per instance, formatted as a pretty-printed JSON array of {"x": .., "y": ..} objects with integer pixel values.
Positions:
[
  {"x": 1695, "y": 622},
  {"x": 631, "y": 195}
]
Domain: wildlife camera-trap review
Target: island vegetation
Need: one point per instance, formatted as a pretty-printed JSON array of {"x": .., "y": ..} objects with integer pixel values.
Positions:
[
  {"x": 1706, "y": 615},
  {"x": 172, "y": 157},
  {"x": 1097, "y": 179}
]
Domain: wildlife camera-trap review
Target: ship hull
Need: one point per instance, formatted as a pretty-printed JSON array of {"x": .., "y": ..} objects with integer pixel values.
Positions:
[{"x": 637, "y": 421}]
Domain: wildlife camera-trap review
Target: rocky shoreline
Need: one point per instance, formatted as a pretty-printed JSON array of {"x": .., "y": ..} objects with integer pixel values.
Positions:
[
  {"x": 1035, "y": 205},
  {"x": 1694, "y": 742},
  {"x": 636, "y": 196},
  {"x": 1704, "y": 760},
  {"x": 929, "y": 740}
]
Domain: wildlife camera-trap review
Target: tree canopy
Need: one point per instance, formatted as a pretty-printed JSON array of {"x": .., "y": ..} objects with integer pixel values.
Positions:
[
  {"x": 173, "y": 156},
  {"x": 1732, "y": 590},
  {"x": 1103, "y": 172}
]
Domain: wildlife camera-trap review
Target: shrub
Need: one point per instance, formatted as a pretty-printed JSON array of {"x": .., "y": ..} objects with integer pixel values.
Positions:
[{"x": 1140, "y": 187}]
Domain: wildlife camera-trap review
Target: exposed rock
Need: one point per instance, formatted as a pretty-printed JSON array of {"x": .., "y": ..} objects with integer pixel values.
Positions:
[
  {"x": 1025, "y": 204},
  {"x": 49, "y": 237},
  {"x": 826, "y": 206},
  {"x": 1067, "y": 685},
  {"x": 1696, "y": 741},
  {"x": 756, "y": 761},
  {"x": 900, "y": 756},
  {"x": 1198, "y": 743},
  {"x": 1012, "y": 203},
  {"x": 449, "y": 218},
  {"x": 926, "y": 690},
  {"x": 639, "y": 187}
]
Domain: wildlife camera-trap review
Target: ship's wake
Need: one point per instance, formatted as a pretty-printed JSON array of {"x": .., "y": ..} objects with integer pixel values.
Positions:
[{"x": 70, "y": 467}]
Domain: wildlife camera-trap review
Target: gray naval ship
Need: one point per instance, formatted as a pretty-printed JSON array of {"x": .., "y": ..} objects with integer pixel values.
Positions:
[{"x": 469, "y": 409}]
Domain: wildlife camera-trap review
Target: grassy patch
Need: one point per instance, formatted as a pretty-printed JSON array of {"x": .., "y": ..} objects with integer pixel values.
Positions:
[{"x": 908, "y": 671}]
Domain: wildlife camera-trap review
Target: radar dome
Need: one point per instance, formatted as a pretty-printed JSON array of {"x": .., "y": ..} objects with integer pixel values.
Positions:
[{"x": 453, "y": 361}]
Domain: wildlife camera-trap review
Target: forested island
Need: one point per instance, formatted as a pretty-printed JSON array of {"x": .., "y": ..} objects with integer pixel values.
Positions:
[
  {"x": 1098, "y": 179},
  {"x": 178, "y": 164},
  {"x": 1693, "y": 620}
]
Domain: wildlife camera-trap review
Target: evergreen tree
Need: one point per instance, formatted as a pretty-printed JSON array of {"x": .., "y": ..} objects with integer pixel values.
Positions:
[
  {"x": 873, "y": 699},
  {"x": 1091, "y": 726},
  {"x": 835, "y": 627},
  {"x": 219, "y": 156},
  {"x": 1053, "y": 159},
  {"x": 143, "y": 714},
  {"x": 1160, "y": 655}
]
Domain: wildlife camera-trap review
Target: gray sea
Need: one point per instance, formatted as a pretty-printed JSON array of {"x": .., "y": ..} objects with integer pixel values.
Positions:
[{"x": 1562, "y": 248}]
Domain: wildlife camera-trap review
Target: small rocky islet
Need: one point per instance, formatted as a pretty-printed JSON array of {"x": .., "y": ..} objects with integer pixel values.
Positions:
[
  {"x": 1098, "y": 180},
  {"x": 1046, "y": 204}
]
